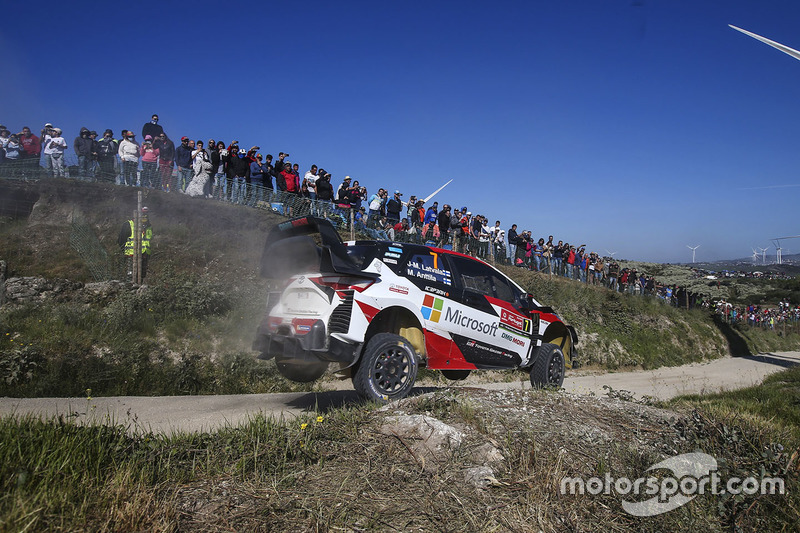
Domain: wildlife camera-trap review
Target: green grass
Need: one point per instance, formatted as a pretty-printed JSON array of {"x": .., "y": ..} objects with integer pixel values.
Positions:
[{"x": 55, "y": 475}]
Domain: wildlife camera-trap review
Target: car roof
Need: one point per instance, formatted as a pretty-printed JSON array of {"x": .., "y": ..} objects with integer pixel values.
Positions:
[{"x": 421, "y": 247}]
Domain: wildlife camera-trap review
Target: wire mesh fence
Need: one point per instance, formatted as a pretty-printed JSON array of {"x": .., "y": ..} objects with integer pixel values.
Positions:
[{"x": 102, "y": 265}]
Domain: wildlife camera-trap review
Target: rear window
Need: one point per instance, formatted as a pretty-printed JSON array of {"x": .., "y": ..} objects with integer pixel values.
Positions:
[{"x": 361, "y": 254}]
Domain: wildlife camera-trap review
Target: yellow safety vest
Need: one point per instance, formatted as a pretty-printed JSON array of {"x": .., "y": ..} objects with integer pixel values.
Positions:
[{"x": 130, "y": 245}]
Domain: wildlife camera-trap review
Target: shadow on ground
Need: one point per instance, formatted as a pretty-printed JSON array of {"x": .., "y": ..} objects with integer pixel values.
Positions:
[
  {"x": 737, "y": 346},
  {"x": 326, "y": 401},
  {"x": 772, "y": 359}
]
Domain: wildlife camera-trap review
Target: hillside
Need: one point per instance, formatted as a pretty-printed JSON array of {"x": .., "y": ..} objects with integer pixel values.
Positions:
[{"x": 190, "y": 331}]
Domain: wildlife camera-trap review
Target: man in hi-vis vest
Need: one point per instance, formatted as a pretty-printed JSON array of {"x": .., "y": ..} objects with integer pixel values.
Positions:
[{"x": 127, "y": 241}]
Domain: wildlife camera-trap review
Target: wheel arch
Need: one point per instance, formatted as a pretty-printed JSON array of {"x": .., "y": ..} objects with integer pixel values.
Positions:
[
  {"x": 400, "y": 321},
  {"x": 564, "y": 337}
]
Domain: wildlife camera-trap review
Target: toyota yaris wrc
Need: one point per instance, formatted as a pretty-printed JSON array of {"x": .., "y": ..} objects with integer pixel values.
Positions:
[{"x": 380, "y": 310}]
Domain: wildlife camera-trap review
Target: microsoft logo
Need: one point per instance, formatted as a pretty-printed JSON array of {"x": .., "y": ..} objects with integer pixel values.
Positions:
[{"x": 432, "y": 308}]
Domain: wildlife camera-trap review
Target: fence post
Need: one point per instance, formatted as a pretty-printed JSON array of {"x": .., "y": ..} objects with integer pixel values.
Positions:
[{"x": 137, "y": 232}]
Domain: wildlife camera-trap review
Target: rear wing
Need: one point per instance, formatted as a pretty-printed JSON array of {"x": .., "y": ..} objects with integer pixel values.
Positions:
[{"x": 290, "y": 250}]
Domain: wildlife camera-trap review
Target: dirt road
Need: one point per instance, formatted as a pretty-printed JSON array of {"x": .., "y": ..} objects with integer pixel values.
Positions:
[{"x": 195, "y": 413}]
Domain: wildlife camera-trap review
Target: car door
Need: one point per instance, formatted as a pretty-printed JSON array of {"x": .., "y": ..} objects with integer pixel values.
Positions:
[{"x": 484, "y": 310}]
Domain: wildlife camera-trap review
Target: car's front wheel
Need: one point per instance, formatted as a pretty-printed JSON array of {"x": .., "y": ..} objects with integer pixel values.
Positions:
[
  {"x": 387, "y": 369},
  {"x": 549, "y": 368}
]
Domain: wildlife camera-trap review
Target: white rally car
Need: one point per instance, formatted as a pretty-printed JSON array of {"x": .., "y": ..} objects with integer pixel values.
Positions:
[{"x": 380, "y": 310}]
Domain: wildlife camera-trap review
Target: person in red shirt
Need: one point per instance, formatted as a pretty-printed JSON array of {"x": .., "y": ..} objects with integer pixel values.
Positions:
[{"x": 31, "y": 149}]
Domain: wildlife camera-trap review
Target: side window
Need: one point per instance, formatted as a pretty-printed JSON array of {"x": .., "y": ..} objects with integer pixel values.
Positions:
[{"x": 477, "y": 277}]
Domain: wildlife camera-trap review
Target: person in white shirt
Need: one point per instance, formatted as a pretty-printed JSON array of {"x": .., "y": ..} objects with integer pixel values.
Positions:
[
  {"x": 129, "y": 155},
  {"x": 54, "y": 147},
  {"x": 311, "y": 180}
]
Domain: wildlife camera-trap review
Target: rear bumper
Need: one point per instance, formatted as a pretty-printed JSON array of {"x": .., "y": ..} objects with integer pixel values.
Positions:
[{"x": 314, "y": 346}]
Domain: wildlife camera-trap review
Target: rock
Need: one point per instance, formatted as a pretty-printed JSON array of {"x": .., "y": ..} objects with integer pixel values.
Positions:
[
  {"x": 428, "y": 439},
  {"x": 479, "y": 476},
  {"x": 487, "y": 454}
]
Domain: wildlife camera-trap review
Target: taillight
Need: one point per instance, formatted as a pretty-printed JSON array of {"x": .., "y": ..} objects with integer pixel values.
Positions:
[{"x": 343, "y": 283}]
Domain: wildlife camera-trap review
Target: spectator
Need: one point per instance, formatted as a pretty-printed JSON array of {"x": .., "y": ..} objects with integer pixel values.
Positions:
[
  {"x": 257, "y": 171},
  {"x": 83, "y": 149},
  {"x": 166, "y": 159},
  {"x": 268, "y": 171},
  {"x": 222, "y": 181},
  {"x": 393, "y": 208},
  {"x": 377, "y": 203},
  {"x": 310, "y": 179},
  {"x": 107, "y": 149},
  {"x": 277, "y": 170},
  {"x": 202, "y": 172},
  {"x": 239, "y": 172},
  {"x": 149, "y": 162},
  {"x": 431, "y": 214},
  {"x": 443, "y": 221},
  {"x": 94, "y": 159},
  {"x": 54, "y": 152},
  {"x": 341, "y": 192},
  {"x": 152, "y": 128},
  {"x": 613, "y": 274},
  {"x": 512, "y": 242},
  {"x": 500, "y": 247},
  {"x": 557, "y": 257},
  {"x": 183, "y": 159},
  {"x": 129, "y": 155},
  {"x": 13, "y": 155},
  {"x": 324, "y": 191},
  {"x": 31, "y": 149},
  {"x": 418, "y": 217}
]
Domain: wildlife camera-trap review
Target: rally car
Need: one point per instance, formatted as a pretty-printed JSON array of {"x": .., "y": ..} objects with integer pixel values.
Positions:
[{"x": 380, "y": 310}]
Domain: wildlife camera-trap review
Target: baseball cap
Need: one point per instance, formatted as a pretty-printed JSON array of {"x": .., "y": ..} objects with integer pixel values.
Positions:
[
  {"x": 398, "y": 193},
  {"x": 184, "y": 138}
]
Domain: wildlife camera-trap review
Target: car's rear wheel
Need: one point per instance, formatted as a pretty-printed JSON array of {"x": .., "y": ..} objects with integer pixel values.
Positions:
[
  {"x": 456, "y": 375},
  {"x": 301, "y": 371},
  {"x": 549, "y": 368},
  {"x": 387, "y": 369}
]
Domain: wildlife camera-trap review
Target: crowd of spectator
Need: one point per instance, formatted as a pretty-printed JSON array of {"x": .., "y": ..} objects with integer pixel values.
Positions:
[
  {"x": 757, "y": 316},
  {"x": 225, "y": 171}
]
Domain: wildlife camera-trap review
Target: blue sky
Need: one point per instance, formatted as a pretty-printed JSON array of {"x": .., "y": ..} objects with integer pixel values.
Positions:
[{"x": 639, "y": 127}]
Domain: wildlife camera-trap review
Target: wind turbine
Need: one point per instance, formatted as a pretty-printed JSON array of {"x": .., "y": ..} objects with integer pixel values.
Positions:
[
  {"x": 763, "y": 255},
  {"x": 783, "y": 48},
  {"x": 755, "y": 256},
  {"x": 610, "y": 254},
  {"x": 693, "y": 248}
]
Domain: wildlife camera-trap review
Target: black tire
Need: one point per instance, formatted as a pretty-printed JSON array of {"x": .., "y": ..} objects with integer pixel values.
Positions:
[
  {"x": 301, "y": 372},
  {"x": 387, "y": 369},
  {"x": 549, "y": 368},
  {"x": 456, "y": 375}
]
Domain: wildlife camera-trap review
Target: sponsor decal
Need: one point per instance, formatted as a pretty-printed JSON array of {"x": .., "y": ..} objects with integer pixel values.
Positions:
[
  {"x": 512, "y": 338},
  {"x": 390, "y": 254},
  {"x": 482, "y": 353},
  {"x": 428, "y": 272},
  {"x": 389, "y": 260},
  {"x": 398, "y": 289},
  {"x": 436, "y": 291},
  {"x": 303, "y": 328},
  {"x": 301, "y": 279},
  {"x": 432, "y": 308},
  {"x": 514, "y": 322},
  {"x": 465, "y": 321},
  {"x": 395, "y": 250}
]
